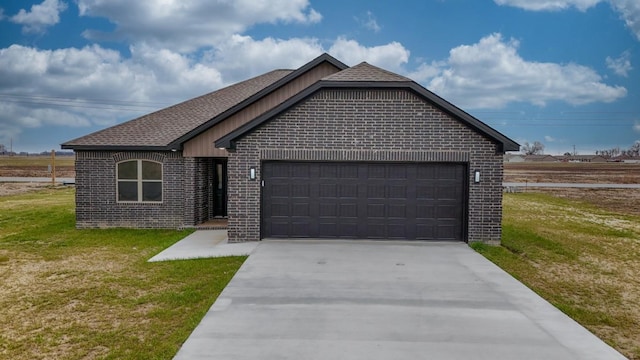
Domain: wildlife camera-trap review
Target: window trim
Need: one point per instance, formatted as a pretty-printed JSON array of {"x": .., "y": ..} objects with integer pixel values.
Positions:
[{"x": 139, "y": 181}]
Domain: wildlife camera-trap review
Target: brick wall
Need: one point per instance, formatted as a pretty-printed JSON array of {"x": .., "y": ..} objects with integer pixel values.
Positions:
[
  {"x": 366, "y": 125},
  {"x": 96, "y": 203}
]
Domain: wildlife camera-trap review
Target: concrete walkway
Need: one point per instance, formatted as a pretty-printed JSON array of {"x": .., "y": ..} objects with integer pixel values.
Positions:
[
  {"x": 204, "y": 244},
  {"x": 382, "y": 300}
]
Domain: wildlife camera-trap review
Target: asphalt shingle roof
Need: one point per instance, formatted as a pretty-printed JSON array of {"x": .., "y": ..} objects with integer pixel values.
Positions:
[
  {"x": 365, "y": 72},
  {"x": 161, "y": 128}
]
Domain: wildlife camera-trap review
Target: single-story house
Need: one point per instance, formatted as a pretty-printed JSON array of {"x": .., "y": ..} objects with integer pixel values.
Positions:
[
  {"x": 540, "y": 158},
  {"x": 323, "y": 151},
  {"x": 581, "y": 158},
  {"x": 511, "y": 158}
]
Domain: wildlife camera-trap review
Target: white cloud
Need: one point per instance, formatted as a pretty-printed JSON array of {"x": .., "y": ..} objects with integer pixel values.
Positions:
[
  {"x": 621, "y": 65},
  {"x": 636, "y": 126},
  {"x": 548, "y": 138},
  {"x": 187, "y": 26},
  {"x": 79, "y": 87},
  {"x": 426, "y": 72},
  {"x": 40, "y": 17},
  {"x": 491, "y": 74},
  {"x": 369, "y": 22},
  {"x": 241, "y": 57},
  {"x": 549, "y": 5},
  {"x": 629, "y": 10},
  {"x": 391, "y": 56}
]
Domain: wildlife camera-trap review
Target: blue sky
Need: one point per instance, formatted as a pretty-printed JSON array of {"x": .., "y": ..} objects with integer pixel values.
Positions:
[{"x": 562, "y": 72}]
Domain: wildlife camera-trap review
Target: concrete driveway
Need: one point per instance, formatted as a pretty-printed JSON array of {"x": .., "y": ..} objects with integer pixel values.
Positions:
[{"x": 382, "y": 300}]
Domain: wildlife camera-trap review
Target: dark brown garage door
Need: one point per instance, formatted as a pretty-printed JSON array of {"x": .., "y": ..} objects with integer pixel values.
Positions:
[{"x": 414, "y": 201}]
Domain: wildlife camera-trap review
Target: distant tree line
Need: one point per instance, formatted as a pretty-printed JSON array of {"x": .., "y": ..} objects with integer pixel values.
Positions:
[
  {"x": 4, "y": 151},
  {"x": 633, "y": 151}
]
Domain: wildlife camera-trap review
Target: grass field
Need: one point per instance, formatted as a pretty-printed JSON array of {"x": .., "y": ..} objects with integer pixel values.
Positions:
[
  {"x": 581, "y": 258},
  {"x": 70, "y": 293},
  {"x": 532, "y": 172},
  {"x": 36, "y": 166},
  {"x": 90, "y": 294}
]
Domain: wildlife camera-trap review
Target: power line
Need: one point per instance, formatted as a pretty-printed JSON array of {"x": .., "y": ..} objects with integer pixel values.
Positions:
[
  {"x": 103, "y": 104},
  {"x": 90, "y": 100}
]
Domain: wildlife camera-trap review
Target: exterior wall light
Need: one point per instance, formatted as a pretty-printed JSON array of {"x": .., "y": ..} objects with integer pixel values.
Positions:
[
  {"x": 252, "y": 173},
  {"x": 476, "y": 176}
]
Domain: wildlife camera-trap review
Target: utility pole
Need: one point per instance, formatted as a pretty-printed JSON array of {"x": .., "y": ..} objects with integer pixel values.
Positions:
[
  {"x": 53, "y": 167},
  {"x": 574, "y": 150}
]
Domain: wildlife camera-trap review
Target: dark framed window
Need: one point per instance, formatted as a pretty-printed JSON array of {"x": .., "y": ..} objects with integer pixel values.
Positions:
[{"x": 139, "y": 181}]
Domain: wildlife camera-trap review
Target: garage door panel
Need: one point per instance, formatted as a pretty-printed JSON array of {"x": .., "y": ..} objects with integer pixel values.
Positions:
[
  {"x": 397, "y": 231},
  {"x": 425, "y": 232},
  {"x": 425, "y": 190},
  {"x": 278, "y": 170},
  {"x": 447, "y": 192},
  {"x": 376, "y": 211},
  {"x": 300, "y": 191},
  {"x": 448, "y": 212},
  {"x": 397, "y": 171},
  {"x": 328, "y": 190},
  {"x": 300, "y": 209},
  {"x": 328, "y": 210},
  {"x": 348, "y": 210},
  {"x": 347, "y": 171},
  {"x": 329, "y": 171},
  {"x": 425, "y": 211},
  {"x": 376, "y": 171},
  {"x": 348, "y": 190},
  {"x": 375, "y": 230},
  {"x": 281, "y": 190},
  {"x": 364, "y": 200},
  {"x": 376, "y": 191},
  {"x": 280, "y": 210},
  {"x": 426, "y": 173},
  {"x": 278, "y": 228},
  {"x": 445, "y": 232},
  {"x": 347, "y": 230},
  {"x": 397, "y": 191},
  {"x": 300, "y": 229},
  {"x": 300, "y": 171},
  {"x": 397, "y": 211},
  {"x": 327, "y": 230},
  {"x": 448, "y": 172}
]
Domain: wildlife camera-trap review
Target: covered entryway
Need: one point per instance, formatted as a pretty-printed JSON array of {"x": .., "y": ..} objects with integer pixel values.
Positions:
[{"x": 357, "y": 200}]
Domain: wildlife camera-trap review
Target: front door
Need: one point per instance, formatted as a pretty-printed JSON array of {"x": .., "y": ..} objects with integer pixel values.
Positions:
[{"x": 219, "y": 184}]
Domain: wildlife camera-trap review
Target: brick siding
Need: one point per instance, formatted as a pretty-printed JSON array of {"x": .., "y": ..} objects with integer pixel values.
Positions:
[
  {"x": 183, "y": 201},
  {"x": 366, "y": 125}
]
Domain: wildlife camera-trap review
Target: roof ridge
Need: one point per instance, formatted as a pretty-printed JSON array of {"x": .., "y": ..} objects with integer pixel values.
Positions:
[{"x": 366, "y": 72}]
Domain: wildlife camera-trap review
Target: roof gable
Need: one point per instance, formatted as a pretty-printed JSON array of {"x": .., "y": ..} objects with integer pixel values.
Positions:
[
  {"x": 503, "y": 142},
  {"x": 170, "y": 127}
]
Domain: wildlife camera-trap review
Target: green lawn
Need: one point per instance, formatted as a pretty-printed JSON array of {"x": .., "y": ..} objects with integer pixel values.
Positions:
[
  {"x": 70, "y": 294},
  {"x": 582, "y": 259}
]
